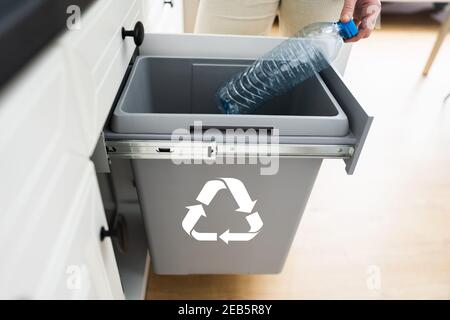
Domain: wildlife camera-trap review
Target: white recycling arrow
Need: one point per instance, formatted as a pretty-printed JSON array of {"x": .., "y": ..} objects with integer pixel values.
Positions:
[
  {"x": 240, "y": 194},
  {"x": 227, "y": 236},
  {"x": 255, "y": 222},
  {"x": 194, "y": 214},
  {"x": 204, "y": 236},
  {"x": 210, "y": 190}
]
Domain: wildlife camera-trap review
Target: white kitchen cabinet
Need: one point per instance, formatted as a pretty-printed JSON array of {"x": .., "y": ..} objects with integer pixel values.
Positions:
[{"x": 51, "y": 115}]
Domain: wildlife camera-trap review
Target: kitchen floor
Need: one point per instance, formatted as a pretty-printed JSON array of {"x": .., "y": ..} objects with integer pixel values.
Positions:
[{"x": 384, "y": 232}]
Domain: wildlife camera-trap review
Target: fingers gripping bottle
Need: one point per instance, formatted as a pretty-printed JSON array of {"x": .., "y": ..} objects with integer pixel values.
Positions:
[{"x": 310, "y": 51}]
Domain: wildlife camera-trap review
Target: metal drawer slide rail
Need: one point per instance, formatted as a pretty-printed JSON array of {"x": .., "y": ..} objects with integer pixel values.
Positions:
[{"x": 137, "y": 149}]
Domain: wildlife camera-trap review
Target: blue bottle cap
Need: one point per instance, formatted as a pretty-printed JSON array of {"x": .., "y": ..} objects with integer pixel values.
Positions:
[{"x": 348, "y": 29}]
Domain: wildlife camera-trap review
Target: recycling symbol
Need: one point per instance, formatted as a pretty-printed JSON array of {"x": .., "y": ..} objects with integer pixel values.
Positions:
[{"x": 207, "y": 194}]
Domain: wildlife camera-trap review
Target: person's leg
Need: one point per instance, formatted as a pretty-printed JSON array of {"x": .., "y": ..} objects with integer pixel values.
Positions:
[
  {"x": 245, "y": 17},
  {"x": 295, "y": 14}
]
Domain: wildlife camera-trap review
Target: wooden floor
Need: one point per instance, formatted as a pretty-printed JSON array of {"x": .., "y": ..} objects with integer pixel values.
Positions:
[{"x": 383, "y": 233}]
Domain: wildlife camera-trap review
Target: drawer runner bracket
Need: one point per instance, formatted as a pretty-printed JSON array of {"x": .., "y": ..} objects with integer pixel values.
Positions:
[{"x": 138, "y": 149}]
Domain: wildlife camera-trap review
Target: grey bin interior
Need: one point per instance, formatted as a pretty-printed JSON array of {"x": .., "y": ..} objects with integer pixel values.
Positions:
[{"x": 165, "y": 94}]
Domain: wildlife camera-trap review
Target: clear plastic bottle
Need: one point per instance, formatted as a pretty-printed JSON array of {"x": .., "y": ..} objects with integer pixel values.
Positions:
[{"x": 310, "y": 51}]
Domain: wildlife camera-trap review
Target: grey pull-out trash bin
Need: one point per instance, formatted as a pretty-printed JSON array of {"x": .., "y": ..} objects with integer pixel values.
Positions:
[{"x": 211, "y": 203}]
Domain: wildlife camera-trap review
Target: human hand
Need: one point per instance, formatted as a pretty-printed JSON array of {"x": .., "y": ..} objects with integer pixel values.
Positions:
[{"x": 365, "y": 14}]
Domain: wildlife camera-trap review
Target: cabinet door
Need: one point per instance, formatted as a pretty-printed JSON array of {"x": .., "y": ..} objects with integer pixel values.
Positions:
[
  {"x": 57, "y": 253},
  {"x": 89, "y": 269},
  {"x": 98, "y": 58}
]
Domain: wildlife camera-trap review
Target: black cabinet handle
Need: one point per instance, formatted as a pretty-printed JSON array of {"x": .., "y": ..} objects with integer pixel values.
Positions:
[
  {"x": 169, "y": 2},
  {"x": 118, "y": 234},
  {"x": 138, "y": 33}
]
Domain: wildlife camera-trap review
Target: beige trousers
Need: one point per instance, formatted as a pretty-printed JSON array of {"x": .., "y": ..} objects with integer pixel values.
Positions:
[{"x": 255, "y": 17}]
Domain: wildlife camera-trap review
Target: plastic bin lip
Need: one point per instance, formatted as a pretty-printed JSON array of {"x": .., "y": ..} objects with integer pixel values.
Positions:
[
  {"x": 126, "y": 120},
  {"x": 339, "y": 116}
]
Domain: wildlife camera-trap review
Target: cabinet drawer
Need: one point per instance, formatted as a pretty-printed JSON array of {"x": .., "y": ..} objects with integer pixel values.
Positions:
[{"x": 170, "y": 89}]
